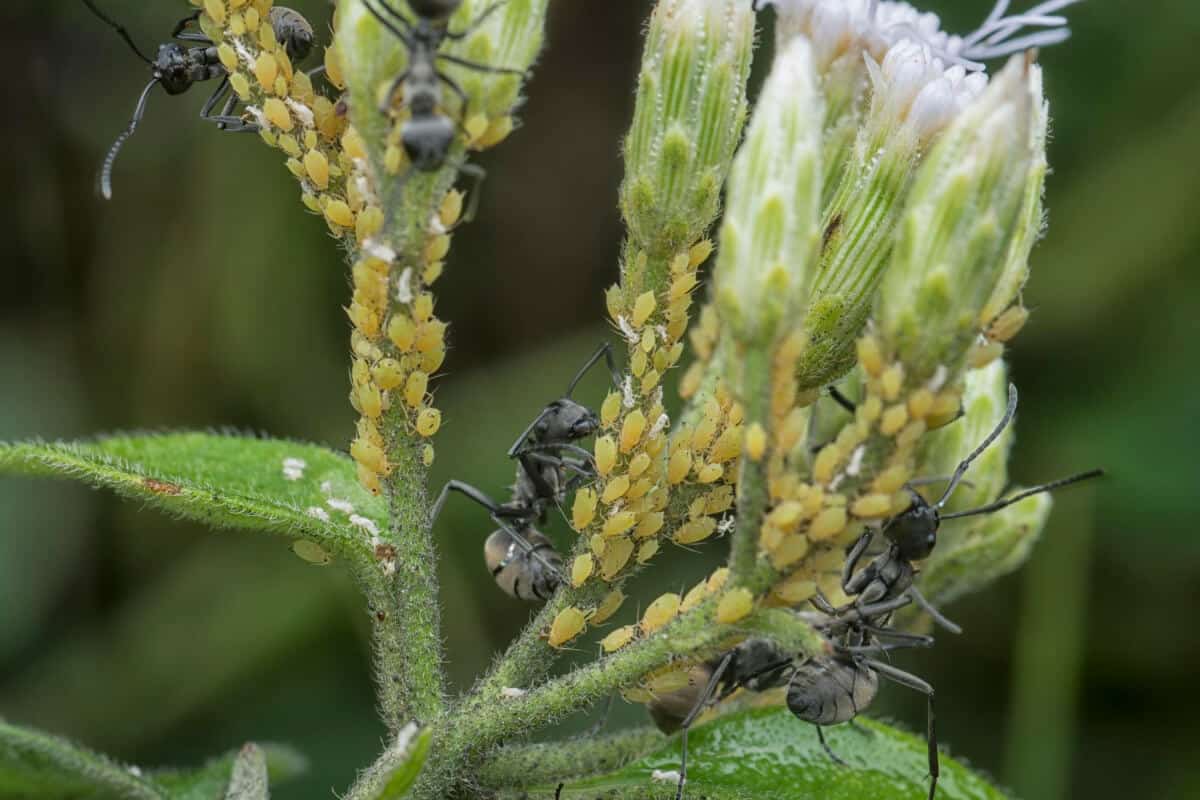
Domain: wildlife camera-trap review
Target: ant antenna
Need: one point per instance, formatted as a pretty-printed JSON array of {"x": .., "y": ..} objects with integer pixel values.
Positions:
[
  {"x": 604, "y": 350},
  {"x": 120, "y": 29},
  {"x": 1008, "y": 501},
  {"x": 961, "y": 469},
  {"x": 138, "y": 111}
]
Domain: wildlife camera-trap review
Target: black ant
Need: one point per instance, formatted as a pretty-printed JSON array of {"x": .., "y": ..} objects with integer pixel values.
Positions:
[
  {"x": 428, "y": 134},
  {"x": 176, "y": 68},
  {"x": 550, "y": 465}
]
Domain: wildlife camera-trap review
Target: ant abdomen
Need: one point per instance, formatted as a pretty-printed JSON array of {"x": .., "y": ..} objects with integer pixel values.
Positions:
[
  {"x": 829, "y": 691},
  {"x": 531, "y": 574}
]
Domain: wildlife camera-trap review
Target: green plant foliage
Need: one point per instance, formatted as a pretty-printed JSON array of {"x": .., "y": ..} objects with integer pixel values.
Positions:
[
  {"x": 222, "y": 480},
  {"x": 406, "y": 775},
  {"x": 767, "y": 753},
  {"x": 216, "y": 779}
]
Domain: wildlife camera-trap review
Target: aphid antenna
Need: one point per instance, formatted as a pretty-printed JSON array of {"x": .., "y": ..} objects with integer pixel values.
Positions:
[
  {"x": 120, "y": 29},
  {"x": 1008, "y": 501},
  {"x": 961, "y": 469}
]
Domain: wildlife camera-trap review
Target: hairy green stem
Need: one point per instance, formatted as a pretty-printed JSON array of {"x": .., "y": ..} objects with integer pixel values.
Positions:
[
  {"x": 518, "y": 766},
  {"x": 752, "y": 480}
]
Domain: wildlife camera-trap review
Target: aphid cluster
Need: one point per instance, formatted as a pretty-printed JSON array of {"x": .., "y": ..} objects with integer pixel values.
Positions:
[
  {"x": 550, "y": 464},
  {"x": 177, "y": 68}
]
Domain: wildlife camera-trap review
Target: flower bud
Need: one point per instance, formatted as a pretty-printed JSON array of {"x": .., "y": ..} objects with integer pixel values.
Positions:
[
  {"x": 691, "y": 104},
  {"x": 959, "y": 222},
  {"x": 770, "y": 231}
]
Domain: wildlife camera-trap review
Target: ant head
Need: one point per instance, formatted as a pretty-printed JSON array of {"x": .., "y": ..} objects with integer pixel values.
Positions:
[
  {"x": 426, "y": 141},
  {"x": 171, "y": 68},
  {"x": 913, "y": 532},
  {"x": 434, "y": 10},
  {"x": 567, "y": 421}
]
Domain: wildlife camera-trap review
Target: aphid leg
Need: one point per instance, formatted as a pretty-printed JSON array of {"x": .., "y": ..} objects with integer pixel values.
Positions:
[
  {"x": 605, "y": 352},
  {"x": 120, "y": 29},
  {"x": 181, "y": 33},
  {"x": 842, "y": 400},
  {"x": 477, "y": 22},
  {"x": 701, "y": 702},
  {"x": 934, "y": 614},
  {"x": 106, "y": 170},
  {"x": 825, "y": 746},
  {"x": 913, "y": 682}
]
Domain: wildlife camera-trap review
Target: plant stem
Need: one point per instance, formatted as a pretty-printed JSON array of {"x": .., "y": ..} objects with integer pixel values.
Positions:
[
  {"x": 519, "y": 766},
  {"x": 752, "y": 481}
]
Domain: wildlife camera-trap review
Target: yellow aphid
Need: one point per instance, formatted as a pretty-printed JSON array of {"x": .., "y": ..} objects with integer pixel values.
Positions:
[
  {"x": 353, "y": 144},
  {"x": 427, "y": 455},
  {"x": 647, "y": 343},
  {"x": 643, "y": 307},
  {"x": 612, "y": 302},
  {"x": 228, "y": 57},
  {"x": 682, "y": 285},
  {"x": 370, "y": 455},
  {"x": 583, "y": 511},
  {"x": 606, "y": 454},
  {"x": 980, "y": 356},
  {"x": 423, "y": 307},
  {"x": 637, "y": 363},
  {"x": 796, "y": 591},
  {"x": 830, "y": 522},
  {"x": 312, "y": 552},
  {"x": 451, "y": 208},
  {"x": 368, "y": 479},
  {"x": 433, "y": 272},
  {"x": 339, "y": 213},
  {"x": 414, "y": 388},
  {"x": 689, "y": 384},
  {"x": 827, "y": 463},
  {"x": 872, "y": 505},
  {"x": 276, "y": 112},
  {"x": 437, "y": 247},
  {"x": 401, "y": 332},
  {"x": 369, "y": 223},
  {"x": 608, "y": 606},
  {"x": 216, "y": 10},
  {"x": 610, "y": 409},
  {"x": 710, "y": 473},
  {"x": 428, "y": 422},
  {"x": 870, "y": 409},
  {"x": 360, "y": 373},
  {"x": 432, "y": 359},
  {"x": 240, "y": 85},
  {"x": 619, "y": 523},
  {"x": 694, "y": 597},
  {"x": 735, "y": 605},
  {"x": 266, "y": 69},
  {"x": 813, "y": 501},
  {"x": 632, "y": 430},
  {"x": 290, "y": 145},
  {"x": 787, "y": 515},
  {"x": 618, "y": 638},
  {"x": 475, "y": 126},
  {"x": 892, "y": 381},
  {"x": 370, "y": 401},
  {"x": 911, "y": 433},
  {"x": 728, "y": 446},
  {"x": 310, "y": 201},
  {"x": 672, "y": 680},
  {"x": 430, "y": 335},
  {"x": 790, "y": 550},
  {"x": 497, "y": 131},
  {"x": 893, "y": 419},
  {"x": 696, "y": 507},
  {"x": 920, "y": 403},
  {"x": 891, "y": 479},
  {"x": 756, "y": 442},
  {"x": 650, "y": 381},
  {"x": 650, "y": 524},
  {"x": 696, "y": 530},
  {"x": 615, "y": 489},
  {"x": 1008, "y": 324},
  {"x": 393, "y": 157},
  {"x": 616, "y": 556},
  {"x": 717, "y": 580},
  {"x": 869, "y": 355},
  {"x": 581, "y": 569},
  {"x": 679, "y": 465},
  {"x": 598, "y": 544},
  {"x": 700, "y": 252},
  {"x": 660, "y": 612},
  {"x": 647, "y": 550},
  {"x": 569, "y": 623}
]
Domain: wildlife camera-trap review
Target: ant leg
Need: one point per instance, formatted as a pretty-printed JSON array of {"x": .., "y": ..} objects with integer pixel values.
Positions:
[
  {"x": 558, "y": 791},
  {"x": 477, "y": 67},
  {"x": 399, "y": 18},
  {"x": 475, "y": 23},
  {"x": 477, "y": 174},
  {"x": 912, "y": 639},
  {"x": 528, "y": 548},
  {"x": 463, "y": 101},
  {"x": 403, "y": 34},
  {"x": 913, "y": 682},
  {"x": 936, "y": 615},
  {"x": 465, "y": 489},
  {"x": 517, "y": 446},
  {"x": 226, "y": 120},
  {"x": 852, "y": 559},
  {"x": 605, "y": 352},
  {"x": 860, "y": 728},
  {"x": 870, "y": 610},
  {"x": 825, "y": 746},
  {"x": 842, "y": 400},
  {"x": 701, "y": 702},
  {"x": 180, "y": 31},
  {"x": 385, "y": 105}
]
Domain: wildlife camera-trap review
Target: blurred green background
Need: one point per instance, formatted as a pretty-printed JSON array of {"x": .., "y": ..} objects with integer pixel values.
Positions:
[{"x": 203, "y": 296}]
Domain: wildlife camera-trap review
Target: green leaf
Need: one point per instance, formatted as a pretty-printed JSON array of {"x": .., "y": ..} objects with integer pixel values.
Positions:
[
  {"x": 222, "y": 480},
  {"x": 769, "y": 754},
  {"x": 249, "y": 780},
  {"x": 213, "y": 780},
  {"x": 404, "y": 776},
  {"x": 36, "y": 765}
]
